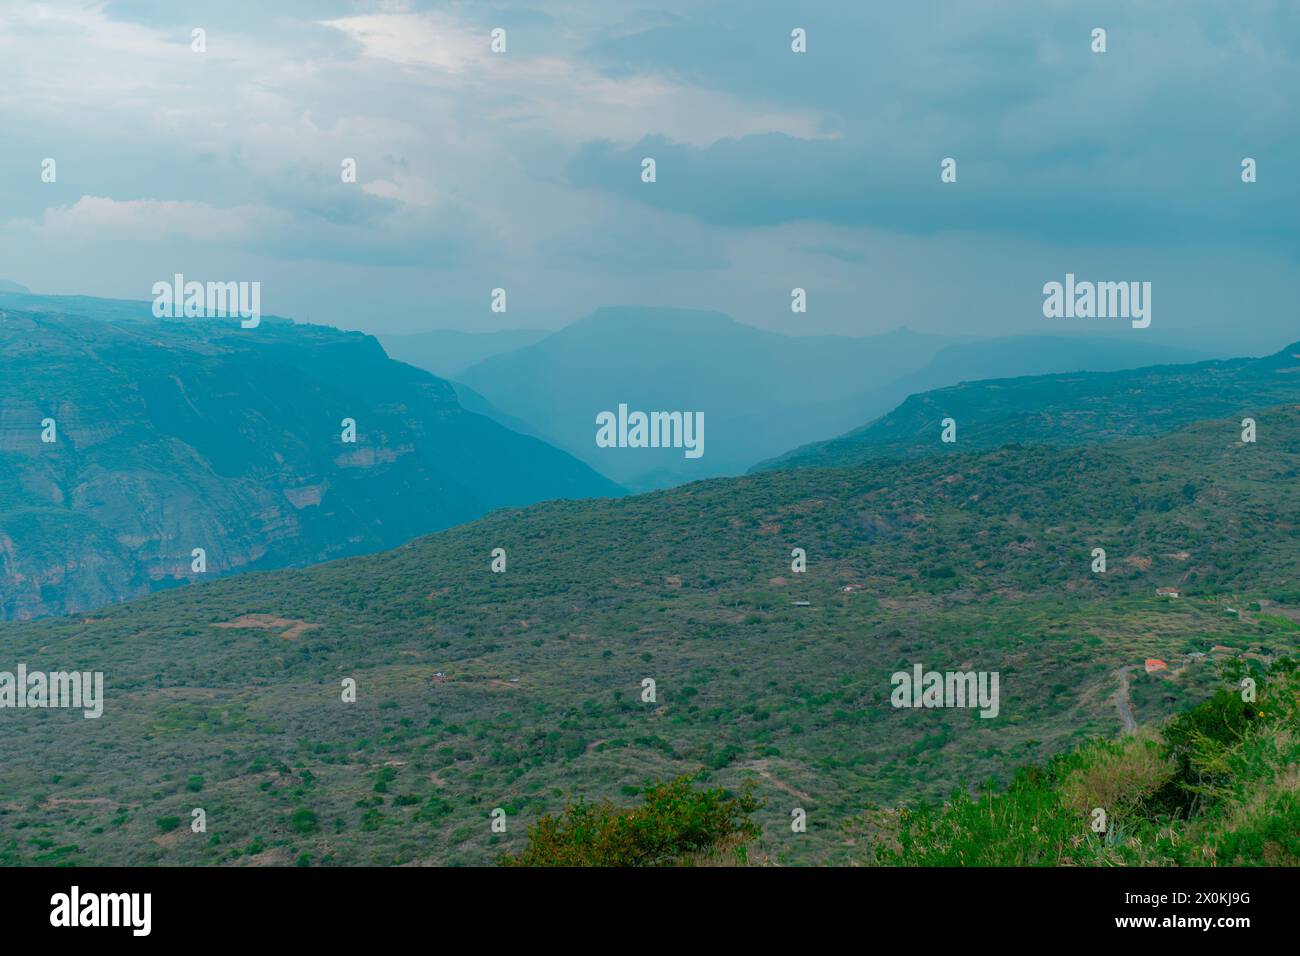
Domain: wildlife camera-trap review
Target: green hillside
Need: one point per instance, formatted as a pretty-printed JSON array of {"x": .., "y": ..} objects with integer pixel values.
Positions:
[
  {"x": 173, "y": 436},
  {"x": 520, "y": 690},
  {"x": 1213, "y": 786},
  {"x": 1065, "y": 409}
]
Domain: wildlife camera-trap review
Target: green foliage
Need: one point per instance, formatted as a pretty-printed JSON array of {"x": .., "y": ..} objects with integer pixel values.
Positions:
[
  {"x": 305, "y": 821},
  {"x": 543, "y": 664},
  {"x": 673, "y": 822},
  {"x": 1232, "y": 763}
]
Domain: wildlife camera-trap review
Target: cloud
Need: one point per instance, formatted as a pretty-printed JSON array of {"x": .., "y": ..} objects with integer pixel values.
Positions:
[
  {"x": 771, "y": 179},
  {"x": 159, "y": 229},
  {"x": 416, "y": 39},
  {"x": 775, "y": 169},
  {"x": 559, "y": 93},
  {"x": 1054, "y": 142},
  {"x": 628, "y": 242},
  {"x": 94, "y": 219},
  {"x": 409, "y": 190}
]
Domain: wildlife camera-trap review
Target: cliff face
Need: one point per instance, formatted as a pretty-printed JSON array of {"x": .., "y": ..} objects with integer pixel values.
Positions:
[{"x": 196, "y": 434}]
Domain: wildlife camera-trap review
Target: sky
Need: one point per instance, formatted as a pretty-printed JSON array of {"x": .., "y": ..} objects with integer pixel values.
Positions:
[{"x": 774, "y": 169}]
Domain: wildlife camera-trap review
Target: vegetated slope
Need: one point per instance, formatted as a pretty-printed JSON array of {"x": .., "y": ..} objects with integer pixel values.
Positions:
[
  {"x": 173, "y": 436},
  {"x": 1007, "y": 357},
  {"x": 1067, "y": 409},
  {"x": 478, "y": 690},
  {"x": 1214, "y": 786}
]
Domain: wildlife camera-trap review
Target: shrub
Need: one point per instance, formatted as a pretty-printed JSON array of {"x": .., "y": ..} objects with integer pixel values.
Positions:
[
  {"x": 1117, "y": 776},
  {"x": 1217, "y": 787},
  {"x": 673, "y": 822}
]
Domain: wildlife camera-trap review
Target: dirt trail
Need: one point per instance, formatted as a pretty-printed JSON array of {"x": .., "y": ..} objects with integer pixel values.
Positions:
[
  {"x": 761, "y": 767},
  {"x": 270, "y": 622},
  {"x": 1122, "y": 702}
]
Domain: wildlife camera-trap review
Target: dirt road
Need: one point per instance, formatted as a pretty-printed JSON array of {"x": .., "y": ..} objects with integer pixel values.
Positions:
[{"x": 1122, "y": 702}]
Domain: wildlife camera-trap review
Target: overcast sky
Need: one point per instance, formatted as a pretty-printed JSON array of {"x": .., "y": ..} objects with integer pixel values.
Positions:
[{"x": 775, "y": 169}]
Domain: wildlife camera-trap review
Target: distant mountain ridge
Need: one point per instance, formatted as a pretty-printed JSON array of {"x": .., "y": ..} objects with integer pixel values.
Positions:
[
  {"x": 762, "y": 392},
  {"x": 1073, "y": 408},
  {"x": 681, "y": 360},
  {"x": 172, "y": 436},
  {"x": 447, "y": 353}
]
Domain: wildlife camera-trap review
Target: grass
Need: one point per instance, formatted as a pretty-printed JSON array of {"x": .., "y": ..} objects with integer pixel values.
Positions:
[
  {"x": 1217, "y": 785},
  {"x": 543, "y": 665}
]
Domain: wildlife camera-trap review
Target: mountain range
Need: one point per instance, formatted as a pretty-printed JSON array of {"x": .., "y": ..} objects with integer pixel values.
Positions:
[
  {"x": 447, "y": 353},
  {"x": 174, "y": 436},
  {"x": 1068, "y": 408},
  {"x": 762, "y": 393},
  {"x": 678, "y": 360},
  {"x": 520, "y": 688}
]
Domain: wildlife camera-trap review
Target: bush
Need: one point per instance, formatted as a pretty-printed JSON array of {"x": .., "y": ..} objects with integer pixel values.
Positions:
[
  {"x": 1118, "y": 776},
  {"x": 673, "y": 822},
  {"x": 1217, "y": 788}
]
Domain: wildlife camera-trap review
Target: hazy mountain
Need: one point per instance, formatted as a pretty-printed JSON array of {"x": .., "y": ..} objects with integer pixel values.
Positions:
[
  {"x": 688, "y": 361},
  {"x": 472, "y": 401},
  {"x": 172, "y": 436},
  {"x": 517, "y": 690},
  {"x": 1068, "y": 409},
  {"x": 446, "y": 353},
  {"x": 762, "y": 393},
  {"x": 1014, "y": 356},
  {"x": 984, "y": 358},
  {"x": 116, "y": 310}
]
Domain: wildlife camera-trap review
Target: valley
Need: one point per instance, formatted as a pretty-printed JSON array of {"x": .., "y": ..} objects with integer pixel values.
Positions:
[{"x": 522, "y": 690}]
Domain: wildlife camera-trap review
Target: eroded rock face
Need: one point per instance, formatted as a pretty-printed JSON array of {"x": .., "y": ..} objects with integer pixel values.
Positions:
[{"x": 172, "y": 436}]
